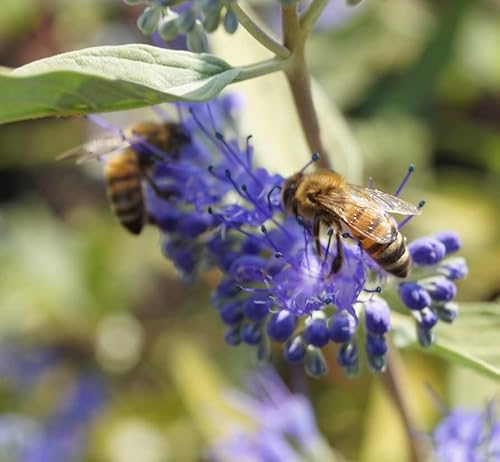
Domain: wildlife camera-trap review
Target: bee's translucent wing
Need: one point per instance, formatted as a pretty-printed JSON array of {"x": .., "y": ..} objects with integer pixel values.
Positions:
[
  {"x": 387, "y": 202},
  {"x": 360, "y": 213},
  {"x": 94, "y": 149}
]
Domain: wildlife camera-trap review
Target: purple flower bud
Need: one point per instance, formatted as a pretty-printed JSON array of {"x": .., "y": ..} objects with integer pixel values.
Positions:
[
  {"x": 450, "y": 240},
  {"x": 427, "y": 251},
  {"x": 377, "y": 316},
  {"x": 375, "y": 345},
  {"x": 183, "y": 258},
  {"x": 248, "y": 269},
  {"x": 342, "y": 327},
  {"x": 376, "y": 363},
  {"x": 427, "y": 318},
  {"x": 168, "y": 220},
  {"x": 425, "y": 336},
  {"x": 257, "y": 307},
  {"x": 414, "y": 296},
  {"x": 252, "y": 245},
  {"x": 281, "y": 325},
  {"x": 316, "y": 333},
  {"x": 348, "y": 356},
  {"x": 454, "y": 268},
  {"x": 192, "y": 225},
  {"x": 226, "y": 261},
  {"x": 295, "y": 350},
  {"x": 232, "y": 336},
  {"x": 447, "y": 312},
  {"x": 441, "y": 290},
  {"x": 315, "y": 364},
  {"x": 227, "y": 289},
  {"x": 231, "y": 313},
  {"x": 251, "y": 333}
]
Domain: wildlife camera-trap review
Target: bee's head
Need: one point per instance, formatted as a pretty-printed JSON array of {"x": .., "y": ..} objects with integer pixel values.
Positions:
[
  {"x": 288, "y": 193},
  {"x": 179, "y": 134}
]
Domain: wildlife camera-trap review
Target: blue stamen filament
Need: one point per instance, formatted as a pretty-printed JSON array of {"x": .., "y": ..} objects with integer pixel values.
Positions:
[
  {"x": 314, "y": 158},
  {"x": 253, "y": 201},
  {"x": 103, "y": 123},
  {"x": 160, "y": 112},
  {"x": 401, "y": 186},
  {"x": 228, "y": 175},
  {"x": 408, "y": 218},
  {"x": 211, "y": 170},
  {"x": 377, "y": 290},
  {"x": 180, "y": 115},
  {"x": 134, "y": 139},
  {"x": 141, "y": 141},
  {"x": 306, "y": 244},
  {"x": 211, "y": 117},
  {"x": 247, "y": 151},
  {"x": 220, "y": 137},
  {"x": 211, "y": 211},
  {"x": 270, "y": 241},
  {"x": 269, "y": 195},
  {"x": 327, "y": 251}
]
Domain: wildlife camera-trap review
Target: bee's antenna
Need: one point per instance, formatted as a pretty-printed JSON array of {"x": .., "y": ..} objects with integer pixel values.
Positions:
[{"x": 314, "y": 158}]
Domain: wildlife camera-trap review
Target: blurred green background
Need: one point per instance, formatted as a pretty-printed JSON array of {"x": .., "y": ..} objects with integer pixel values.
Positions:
[{"x": 417, "y": 81}]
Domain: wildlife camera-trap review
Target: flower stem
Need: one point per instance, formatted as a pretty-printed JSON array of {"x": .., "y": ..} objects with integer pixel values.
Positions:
[
  {"x": 392, "y": 382},
  {"x": 312, "y": 14},
  {"x": 297, "y": 74},
  {"x": 258, "y": 33}
]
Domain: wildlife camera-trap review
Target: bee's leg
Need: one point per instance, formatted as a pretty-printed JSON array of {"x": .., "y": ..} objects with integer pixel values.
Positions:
[
  {"x": 339, "y": 257},
  {"x": 161, "y": 194},
  {"x": 316, "y": 231}
]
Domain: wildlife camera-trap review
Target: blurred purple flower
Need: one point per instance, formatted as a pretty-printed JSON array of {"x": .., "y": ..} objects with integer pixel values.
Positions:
[
  {"x": 60, "y": 435},
  {"x": 280, "y": 426},
  {"x": 468, "y": 436}
]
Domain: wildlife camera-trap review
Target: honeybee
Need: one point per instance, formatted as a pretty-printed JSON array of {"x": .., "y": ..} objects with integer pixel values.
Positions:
[
  {"x": 129, "y": 160},
  {"x": 325, "y": 197}
]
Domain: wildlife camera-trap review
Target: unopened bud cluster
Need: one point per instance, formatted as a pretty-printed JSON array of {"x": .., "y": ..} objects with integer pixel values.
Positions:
[
  {"x": 430, "y": 292},
  {"x": 170, "y": 18}
]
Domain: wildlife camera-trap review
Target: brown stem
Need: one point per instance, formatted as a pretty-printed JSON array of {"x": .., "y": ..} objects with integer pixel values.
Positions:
[
  {"x": 392, "y": 382},
  {"x": 300, "y": 83}
]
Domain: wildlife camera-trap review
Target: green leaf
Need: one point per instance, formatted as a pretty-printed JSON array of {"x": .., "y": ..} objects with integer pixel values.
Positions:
[
  {"x": 109, "y": 78},
  {"x": 471, "y": 341}
]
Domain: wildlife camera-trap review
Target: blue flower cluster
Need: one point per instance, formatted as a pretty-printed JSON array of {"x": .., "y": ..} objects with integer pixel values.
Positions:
[
  {"x": 171, "y": 18},
  {"x": 283, "y": 425},
  {"x": 468, "y": 436},
  {"x": 227, "y": 212}
]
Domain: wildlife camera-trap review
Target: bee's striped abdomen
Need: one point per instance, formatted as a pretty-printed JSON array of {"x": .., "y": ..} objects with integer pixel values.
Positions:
[
  {"x": 124, "y": 187},
  {"x": 392, "y": 256}
]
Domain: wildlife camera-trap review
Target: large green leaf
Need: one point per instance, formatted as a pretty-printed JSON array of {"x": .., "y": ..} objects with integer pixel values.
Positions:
[
  {"x": 109, "y": 78},
  {"x": 471, "y": 341}
]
